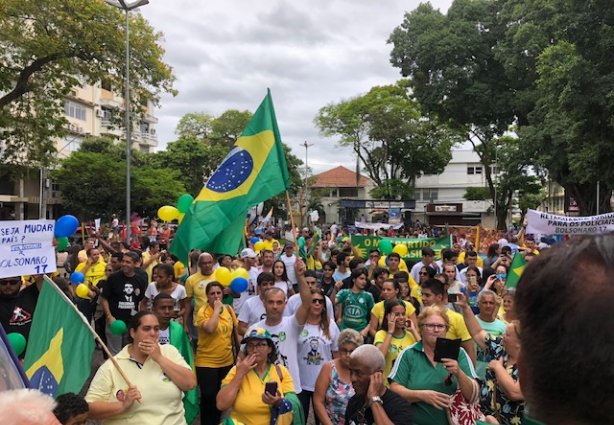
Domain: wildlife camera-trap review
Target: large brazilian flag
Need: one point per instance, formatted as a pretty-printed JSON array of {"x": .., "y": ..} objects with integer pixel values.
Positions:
[
  {"x": 252, "y": 172},
  {"x": 60, "y": 346}
]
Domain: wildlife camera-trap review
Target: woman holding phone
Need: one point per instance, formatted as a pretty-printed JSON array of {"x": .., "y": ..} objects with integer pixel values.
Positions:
[
  {"x": 427, "y": 383},
  {"x": 256, "y": 387},
  {"x": 391, "y": 290}
]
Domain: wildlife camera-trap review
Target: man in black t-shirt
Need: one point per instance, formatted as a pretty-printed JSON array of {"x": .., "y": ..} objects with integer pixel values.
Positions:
[
  {"x": 372, "y": 402},
  {"x": 121, "y": 295},
  {"x": 17, "y": 307}
]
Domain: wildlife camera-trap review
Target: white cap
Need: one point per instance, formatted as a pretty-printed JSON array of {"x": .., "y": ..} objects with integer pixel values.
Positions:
[{"x": 248, "y": 252}]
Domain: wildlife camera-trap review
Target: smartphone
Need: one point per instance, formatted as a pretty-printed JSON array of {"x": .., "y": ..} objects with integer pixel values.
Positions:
[
  {"x": 446, "y": 349},
  {"x": 271, "y": 388},
  {"x": 452, "y": 298},
  {"x": 473, "y": 280}
]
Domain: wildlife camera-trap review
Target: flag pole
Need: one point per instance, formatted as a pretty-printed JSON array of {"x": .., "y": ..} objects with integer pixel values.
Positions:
[
  {"x": 92, "y": 331},
  {"x": 292, "y": 222}
]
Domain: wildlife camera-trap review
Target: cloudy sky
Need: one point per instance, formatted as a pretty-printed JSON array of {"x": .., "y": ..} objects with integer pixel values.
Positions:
[{"x": 226, "y": 53}]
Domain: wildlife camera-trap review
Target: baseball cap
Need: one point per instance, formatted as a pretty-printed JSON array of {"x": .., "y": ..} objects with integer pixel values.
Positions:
[
  {"x": 257, "y": 333},
  {"x": 248, "y": 252}
]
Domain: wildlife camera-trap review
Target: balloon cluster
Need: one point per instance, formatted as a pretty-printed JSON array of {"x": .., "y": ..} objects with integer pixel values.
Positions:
[
  {"x": 64, "y": 227},
  {"x": 236, "y": 279},
  {"x": 257, "y": 243},
  {"x": 386, "y": 247},
  {"x": 170, "y": 213}
]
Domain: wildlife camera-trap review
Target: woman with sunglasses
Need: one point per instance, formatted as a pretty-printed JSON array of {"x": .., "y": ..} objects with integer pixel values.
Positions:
[
  {"x": 429, "y": 384},
  {"x": 425, "y": 274},
  {"x": 333, "y": 388},
  {"x": 317, "y": 345}
]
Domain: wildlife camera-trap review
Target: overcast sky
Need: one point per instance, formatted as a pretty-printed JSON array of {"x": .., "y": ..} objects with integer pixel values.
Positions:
[{"x": 226, "y": 53}]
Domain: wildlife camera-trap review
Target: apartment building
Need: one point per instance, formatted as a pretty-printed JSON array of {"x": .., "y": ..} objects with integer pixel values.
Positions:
[{"x": 91, "y": 110}]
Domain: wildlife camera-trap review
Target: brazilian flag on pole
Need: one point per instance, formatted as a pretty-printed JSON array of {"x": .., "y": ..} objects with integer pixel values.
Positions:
[
  {"x": 252, "y": 172},
  {"x": 60, "y": 346},
  {"x": 516, "y": 269}
]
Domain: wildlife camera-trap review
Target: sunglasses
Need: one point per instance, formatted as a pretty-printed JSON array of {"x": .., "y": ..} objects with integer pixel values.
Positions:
[
  {"x": 422, "y": 273},
  {"x": 317, "y": 301},
  {"x": 9, "y": 282}
]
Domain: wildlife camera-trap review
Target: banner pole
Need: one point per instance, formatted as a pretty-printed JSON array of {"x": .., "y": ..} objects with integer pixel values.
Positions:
[{"x": 292, "y": 222}]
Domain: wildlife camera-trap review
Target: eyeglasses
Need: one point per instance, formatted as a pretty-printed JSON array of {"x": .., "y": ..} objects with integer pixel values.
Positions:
[
  {"x": 257, "y": 345},
  {"x": 317, "y": 301},
  {"x": 9, "y": 282},
  {"x": 422, "y": 273},
  {"x": 434, "y": 326},
  {"x": 345, "y": 352}
]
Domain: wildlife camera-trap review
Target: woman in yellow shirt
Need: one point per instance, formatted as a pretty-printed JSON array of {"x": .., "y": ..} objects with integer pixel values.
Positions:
[
  {"x": 217, "y": 326},
  {"x": 397, "y": 334},
  {"x": 391, "y": 290},
  {"x": 256, "y": 387}
]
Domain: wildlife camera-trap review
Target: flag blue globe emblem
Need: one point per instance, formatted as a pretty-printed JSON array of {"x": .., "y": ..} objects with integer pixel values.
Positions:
[
  {"x": 232, "y": 173},
  {"x": 44, "y": 380}
]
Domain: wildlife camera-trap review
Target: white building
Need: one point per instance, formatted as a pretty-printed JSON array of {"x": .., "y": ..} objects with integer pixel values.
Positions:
[{"x": 439, "y": 197}]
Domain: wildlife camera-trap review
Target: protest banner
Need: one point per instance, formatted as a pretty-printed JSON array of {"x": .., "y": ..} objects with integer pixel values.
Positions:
[
  {"x": 26, "y": 247},
  {"x": 363, "y": 244},
  {"x": 551, "y": 224}
]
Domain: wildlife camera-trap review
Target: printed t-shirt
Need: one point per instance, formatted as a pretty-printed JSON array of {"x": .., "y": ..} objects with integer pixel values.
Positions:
[
  {"x": 414, "y": 370},
  {"x": 215, "y": 349},
  {"x": 495, "y": 329},
  {"x": 378, "y": 311},
  {"x": 397, "y": 345},
  {"x": 16, "y": 313},
  {"x": 196, "y": 287},
  {"x": 252, "y": 311},
  {"x": 248, "y": 407},
  {"x": 285, "y": 336},
  {"x": 315, "y": 349},
  {"x": 268, "y": 245},
  {"x": 164, "y": 336},
  {"x": 355, "y": 309},
  {"x": 162, "y": 399},
  {"x": 124, "y": 294}
]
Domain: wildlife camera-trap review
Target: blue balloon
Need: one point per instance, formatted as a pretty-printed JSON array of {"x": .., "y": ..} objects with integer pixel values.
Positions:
[
  {"x": 238, "y": 284},
  {"x": 66, "y": 226},
  {"x": 77, "y": 277},
  {"x": 255, "y": 240}
]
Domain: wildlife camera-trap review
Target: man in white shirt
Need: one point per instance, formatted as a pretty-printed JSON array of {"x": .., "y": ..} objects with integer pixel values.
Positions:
[
  {"x": 471, "y": 259},
  {"x": 428, "y": 257},
  {"x": 285, "y": 331},
  {"x": 253, "y": 310},
  {"x": 289, "y": 259}
]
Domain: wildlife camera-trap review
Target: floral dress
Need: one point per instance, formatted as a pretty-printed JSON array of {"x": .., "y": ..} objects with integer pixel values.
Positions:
[
  {"x": 337, "y": 396},
  {"x": 493, "y": 400}
]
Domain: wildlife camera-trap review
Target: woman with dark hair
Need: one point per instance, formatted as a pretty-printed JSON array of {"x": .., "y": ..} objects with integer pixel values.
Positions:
[
  {"x": 317, "y": 344},
  {"x": 491, "y": 256},
  {"x": 391, "y": 290},
  {"x": 327, "y": 282},
  {"x": 217, "y": 327},
  {"x": 281, "y": 278},
  {"x": 158, "y": 376},
  {"x": 355, "y": 304},
  {"x": 425, "y": 274},
  {"x": 164, "y": 282},
  {"x": 256, "y": 388},
  {"x": 397, "y": 333}
]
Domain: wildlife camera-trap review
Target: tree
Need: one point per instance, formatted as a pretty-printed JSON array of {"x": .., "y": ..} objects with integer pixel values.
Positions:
[
  {"x": 194, "y": 125},
  {"x": 47, "y": 48},
  {"x": 226, "y": 129},
  {"x": 454, "y": 73},
  {"x": 476, "y": 193},
  {"x": 391, "y": 139},
  {"x": 564, "y": 50},
  {"x": 93, "y": 181}
]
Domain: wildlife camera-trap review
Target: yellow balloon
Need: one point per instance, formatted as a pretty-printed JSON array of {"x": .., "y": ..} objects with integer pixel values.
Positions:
[
  {"x": 401, "y": 249},
  {"x": 82, "y": 291},
  {"x": 382, "y": 262},
  {"x": 258, "y": 246},
  {"x": 222, "y": 275},
  {"x": 168, "y": 213},
  {"x": 240, "y": 272}
]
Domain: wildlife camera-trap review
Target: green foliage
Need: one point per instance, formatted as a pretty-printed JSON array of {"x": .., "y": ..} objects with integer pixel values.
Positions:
[
  {"x": 226, "y": 129},
  {"x": 47, "y": 48},
  {"x": 393, "y": 141},
  {"x": 476, "y": 193},
  {"x": 93, "y": 181}
]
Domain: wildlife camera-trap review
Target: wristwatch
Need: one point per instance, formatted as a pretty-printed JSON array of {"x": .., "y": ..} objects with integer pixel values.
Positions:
[{"x": 376, "y": 399}]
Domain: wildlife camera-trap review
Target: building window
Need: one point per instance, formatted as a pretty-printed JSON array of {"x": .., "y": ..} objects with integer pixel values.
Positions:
[
  {"x": 106, "y": 85},
  {"x": 74, "y": 110},
  {"x": 348, "y": 192},
  {"x": 430, "y": 194},
  {"x": 474, "y": 170}
]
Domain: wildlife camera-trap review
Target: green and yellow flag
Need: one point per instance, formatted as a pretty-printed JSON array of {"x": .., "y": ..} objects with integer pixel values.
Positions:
[
  {"x": 60, "y": 346},
  {"x": 252, "y": 172},
  {"x": 516, "y": 269}
]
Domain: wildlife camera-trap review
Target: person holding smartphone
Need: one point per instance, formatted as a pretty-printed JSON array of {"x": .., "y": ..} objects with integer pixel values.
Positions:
[{"x": 256, "y": 387}]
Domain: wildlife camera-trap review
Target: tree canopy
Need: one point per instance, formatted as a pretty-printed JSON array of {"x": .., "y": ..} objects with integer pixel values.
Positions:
[
  {"x": 392, "y": 140},
  {"x": 47, "y": 48}
]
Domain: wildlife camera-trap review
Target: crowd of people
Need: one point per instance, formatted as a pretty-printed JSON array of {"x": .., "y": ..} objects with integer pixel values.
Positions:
[{"x": 321, "y": 331}]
